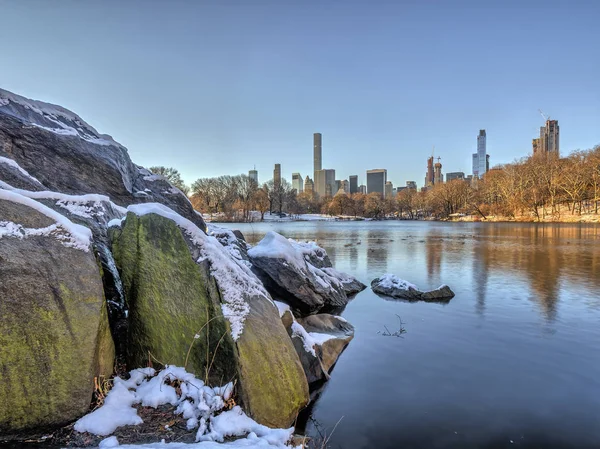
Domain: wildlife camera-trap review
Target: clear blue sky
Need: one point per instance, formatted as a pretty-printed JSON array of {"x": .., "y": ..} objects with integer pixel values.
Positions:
[{"x": 214, "y": 87}]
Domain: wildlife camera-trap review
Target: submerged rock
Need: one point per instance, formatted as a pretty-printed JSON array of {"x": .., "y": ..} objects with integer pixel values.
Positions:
[
  {"x": 286, "y": 267},
  {"x": 54, "y": 333},
  {"x": 391, "y": 285}
]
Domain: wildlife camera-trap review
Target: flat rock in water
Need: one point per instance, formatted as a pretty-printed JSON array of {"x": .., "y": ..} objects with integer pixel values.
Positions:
[{"x": 391, "y": 285}]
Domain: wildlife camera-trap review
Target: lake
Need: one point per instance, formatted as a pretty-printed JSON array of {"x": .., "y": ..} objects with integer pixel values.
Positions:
[{"x": 512, "y": 361}]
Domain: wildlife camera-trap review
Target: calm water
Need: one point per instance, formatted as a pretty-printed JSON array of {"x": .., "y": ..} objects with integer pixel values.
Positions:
[{"x": 512, "y": 361}]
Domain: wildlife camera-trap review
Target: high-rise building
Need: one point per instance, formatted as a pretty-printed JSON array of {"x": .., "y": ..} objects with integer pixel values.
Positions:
[
  {"x": 317, "y": 154},
  {"x": 362, "y": 189},
  {"x": 480, "y": 159},
  {"x": 548, "y": 142},
  {"x": 345, "y": 187},
  {"x": 338, "y": 185},
  {"x": 455, "y": 175},
  {"x": 309, "y": 185},
  {"x": 353, "y": 183},
  {"x": 388, "y": 190},
  {"x": 297, "y": 182},
  {"x": 277, "y": 175},
  {"x": 429, "y": 176},
  {"x": 253, "y": 174},
  {"x": 376, "y": 180},
  {"x": 438, "y": 178},
  {"x": 325, "y": 182},
  {"x": 411, "y": 184}
]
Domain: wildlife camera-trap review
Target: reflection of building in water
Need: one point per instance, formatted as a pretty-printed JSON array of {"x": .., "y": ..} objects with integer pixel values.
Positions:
[
  {"x": 377, "y": 251},
  {"x": 481, "y": 265},
  {"x": 433, "y": 253}
]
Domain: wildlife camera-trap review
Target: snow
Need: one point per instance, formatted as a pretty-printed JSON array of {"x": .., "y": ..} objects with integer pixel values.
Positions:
[
  {"x": 118, "y": 222},
  {"x": 11, "y": 163},
  {"x": 282, "y": 308},
  {"x": 392, "y": 281},
  {"x": 116, "y": 411},
  {"x": 61, "y": 120},
  {"x": 276, "y": 246},
  {"x": 320, "y": 338},
  {"x": 201, "y": 405},
  {"x": 86, "y": 206},
  {"x": 236, "y": 281},
  {"x": 68, "y": 233},
  {"x": 299, "y": 332},
  {"x": 108, "y": 443}
]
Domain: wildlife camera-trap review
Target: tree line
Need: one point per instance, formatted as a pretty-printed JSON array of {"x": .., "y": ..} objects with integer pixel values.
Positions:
[{"x": 531, "y": 188}]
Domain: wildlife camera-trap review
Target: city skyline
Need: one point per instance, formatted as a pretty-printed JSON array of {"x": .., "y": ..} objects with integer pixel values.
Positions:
[{"x": 210, "y": 92}]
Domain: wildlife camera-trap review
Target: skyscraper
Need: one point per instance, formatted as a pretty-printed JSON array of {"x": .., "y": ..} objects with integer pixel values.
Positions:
[
  {"x": 429, "y": 177},
  {"x": 309, "y": 185},
  {"x": 317, "y": 153},
  {"x": 548, "y": 142},
  {"x": 277, "y": 175},
  {"x": 325, "y": 182},
  {"x": 253, "y": 174},
  {"x": 353, "y": 183},
  {"x": 411, "y": 184},
  {"x": 455, "y": 175},
  {"x": 376, "y": 180},
  {"x": 297, "y": 182},
  {"x": 480, "y": 158},
  {"x": 388, "y": 189},
  {"x": 438, "y": 178},
  {"x": 362, "y": 189}
]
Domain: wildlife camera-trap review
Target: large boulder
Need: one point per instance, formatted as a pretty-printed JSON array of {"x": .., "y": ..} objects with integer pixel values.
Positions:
[
  {"x": 169, "y": 304},
  {"x": 286, "y": 268},
  {"x": 54, "y": 333},
  {"x": 391, "y": 285},
  {"x": 61, "y": 152},
  {"x": 175, "y": 269}
]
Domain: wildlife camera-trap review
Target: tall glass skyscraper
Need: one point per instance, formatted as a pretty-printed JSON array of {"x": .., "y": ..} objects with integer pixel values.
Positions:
[{"x": 480, "y": 158}]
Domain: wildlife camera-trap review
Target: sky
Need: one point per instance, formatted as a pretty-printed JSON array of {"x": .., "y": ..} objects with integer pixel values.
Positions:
[{"x": 218, "y": 87}]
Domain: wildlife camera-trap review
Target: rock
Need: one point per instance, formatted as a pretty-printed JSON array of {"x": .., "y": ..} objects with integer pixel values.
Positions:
[
  {"x": 391, "y": 285},
  {"x": 156, "y": 257},
  {"x": 169, "y": 302},
  {"x": 318, "y": 339},
  {"x": 340, "y": 333},
  {"x": 286, "y": 269},
  {"x": 54, "y": 333},
  {"x": 441, "y": 293},
  {"x": 65, "y": 154}
]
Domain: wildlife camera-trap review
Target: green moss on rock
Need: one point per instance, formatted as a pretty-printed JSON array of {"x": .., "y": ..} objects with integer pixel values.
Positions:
[
  {"x": 54, "y": 336},
  {"x": 168, "y": 301}
]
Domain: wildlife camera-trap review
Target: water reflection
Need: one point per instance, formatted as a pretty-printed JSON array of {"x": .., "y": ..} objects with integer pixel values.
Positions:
[{"x": 509, "y": 358}]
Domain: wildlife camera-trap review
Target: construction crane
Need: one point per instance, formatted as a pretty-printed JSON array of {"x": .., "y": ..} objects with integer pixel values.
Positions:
[{"x": 546, "y": 117}]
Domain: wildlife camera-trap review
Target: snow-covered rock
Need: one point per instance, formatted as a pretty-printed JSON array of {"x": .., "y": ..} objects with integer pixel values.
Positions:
[
  {"x": 286, "y": 267},
  {"x": 52, "y": 148},
  {"x": 392, "y": 285}
]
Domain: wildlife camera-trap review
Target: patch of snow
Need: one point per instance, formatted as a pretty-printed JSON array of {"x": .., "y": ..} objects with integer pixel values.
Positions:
[
  {"x": 197, "y": 403},
  {"x": 276, "y": 246},
  {"x": 117, "y": 222},
  {"x": 108, "y": 443},
  {"x": 87, "y": 206},
  {"x": 236, "y": 281},
  {"x": 153, "y": 177},
  {"x": 282, "y": 307},
  {"x": 11, "y": 163},
  {"x": 392, "y": 281},
  {"x": 68, "y": 233},
  {"x": 298, "y": 331},
  {"x": 116, "y": 411},
  {"x": 320, "y": 338}
]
